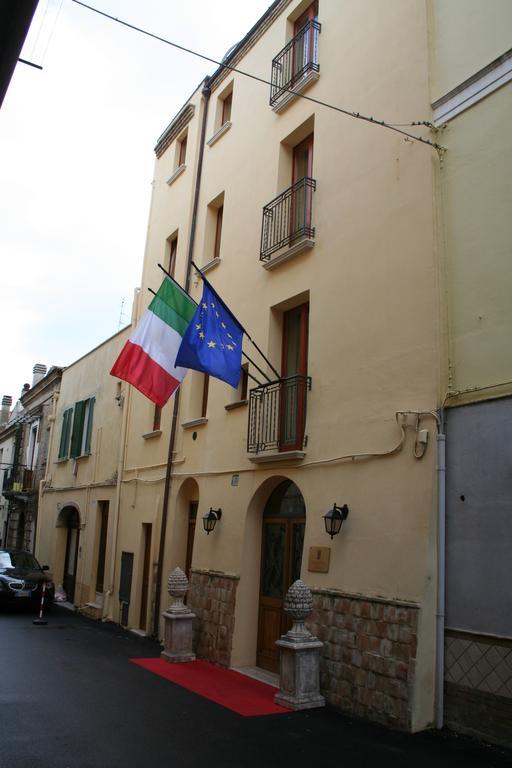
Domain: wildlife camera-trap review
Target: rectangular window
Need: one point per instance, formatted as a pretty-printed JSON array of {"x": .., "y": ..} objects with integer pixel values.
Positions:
[
  {"x": 173, "y": 250},
  {"x": 204, "y": 403},
  {"x": 82, "y": 428},
  {"x": 31, "y": 459},
  {"x": 218, "y": 232},
  {"x": 242, "y": 385},
  {"x": 157, "y": 418},
  {"x": 182, "y": 153},
  {"x": 67, "y": 419},
  {"x": 226, "y": 108}
]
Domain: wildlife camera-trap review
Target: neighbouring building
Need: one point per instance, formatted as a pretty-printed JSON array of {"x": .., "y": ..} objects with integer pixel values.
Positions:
[
  {"x": 79, "y": 496},
  {"x": 27, "y": 436},
  {"x": 7, "y": 443},
  {"x": 471, "y": 91},
  {"x": 318, "y": 230}
]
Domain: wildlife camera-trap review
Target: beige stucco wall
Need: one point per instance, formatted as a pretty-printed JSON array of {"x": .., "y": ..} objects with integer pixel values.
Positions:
[
  {"x": 475, "y": 232},
  {"x": 90, "y": 479},
  {"x": 465, "y": 37},
  {"x": 371, "y": 281},
  {"x": 477, "y": 189}
]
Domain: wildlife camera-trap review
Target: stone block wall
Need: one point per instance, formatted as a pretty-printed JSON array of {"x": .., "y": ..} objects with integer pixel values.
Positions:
[
  {"x": 368, "y": 660},
  {"x": 212, "y": 598}
]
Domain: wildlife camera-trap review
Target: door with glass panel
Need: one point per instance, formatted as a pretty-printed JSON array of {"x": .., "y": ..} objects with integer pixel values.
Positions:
[
  {"x": 301, "y": 206},
  {"x": 284, "y": 521},
  {"x": 305, "y": 48},
  {"x": 294, "y": 367}
]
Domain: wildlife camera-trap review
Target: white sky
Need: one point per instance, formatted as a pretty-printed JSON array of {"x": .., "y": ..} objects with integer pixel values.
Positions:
[{"x": 76, "y": 163}]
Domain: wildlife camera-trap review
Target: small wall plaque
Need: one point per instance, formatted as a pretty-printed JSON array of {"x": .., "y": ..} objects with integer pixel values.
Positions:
[{"x": 319, "y": 559}]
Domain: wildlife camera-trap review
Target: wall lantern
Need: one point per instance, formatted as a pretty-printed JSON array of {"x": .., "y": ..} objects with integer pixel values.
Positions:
[
  {"x": 210, "y": 519},
  {"x": 334, "y": 518}
]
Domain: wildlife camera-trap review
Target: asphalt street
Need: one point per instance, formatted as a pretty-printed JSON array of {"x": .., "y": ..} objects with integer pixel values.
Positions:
[{"x": 70, "y": 698}]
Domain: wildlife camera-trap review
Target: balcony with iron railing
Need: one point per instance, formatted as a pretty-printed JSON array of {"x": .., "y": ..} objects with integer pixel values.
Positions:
[
  {"x": 21, "y": 480},
  {"x": 277, "y": 418},
  {"x": 287, "y": 221},
  {"x": 295, "y": 67}
]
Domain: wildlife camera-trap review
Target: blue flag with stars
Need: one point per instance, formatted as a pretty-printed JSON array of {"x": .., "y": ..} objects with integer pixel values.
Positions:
[{"x": 213, "y": 340}]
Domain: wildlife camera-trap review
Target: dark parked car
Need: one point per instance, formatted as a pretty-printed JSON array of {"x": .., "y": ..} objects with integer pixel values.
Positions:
[{"x": 22, "y": 578}]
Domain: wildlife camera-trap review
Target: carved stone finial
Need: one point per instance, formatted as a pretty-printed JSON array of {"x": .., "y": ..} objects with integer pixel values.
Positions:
[
  {"x": 177, "y": 586},
  {"x": 299, "y": 604}
]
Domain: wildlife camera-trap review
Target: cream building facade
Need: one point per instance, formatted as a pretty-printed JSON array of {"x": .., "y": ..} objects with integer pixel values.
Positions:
[
  {"x": 372, "y": 271},
  {"x": 471, "y": 91},
  {"x": 78, "y": 499},
  {"x": 318, "y": 231}
]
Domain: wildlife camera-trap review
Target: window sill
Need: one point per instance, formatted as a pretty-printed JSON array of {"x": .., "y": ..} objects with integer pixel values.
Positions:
[
  {"x": 210, "y": 265},
  {"x": 301, "y": 246},
  {"x": 194, "y": 423},
  {"x": 154, "y": 433},
  {"x": 290, "y": 96},
  {"x": 276, "y": 456},
  {"x": 62, "y": 460},
  {"x": 179, "y": 170},
  {"x": 220, "y": 132},
  {"x": 236, "y": 404}
]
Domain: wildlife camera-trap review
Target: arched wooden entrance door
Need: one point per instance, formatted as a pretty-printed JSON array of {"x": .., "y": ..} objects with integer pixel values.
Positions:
[
  {"x": 72, "y": 523},
  {"x": 284, "y": 520}
]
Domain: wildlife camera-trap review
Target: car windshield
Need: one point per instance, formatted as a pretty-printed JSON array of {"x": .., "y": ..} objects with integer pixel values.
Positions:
[
  {"x": 18, "y": 560},
  {"x": 5, "y": 560}
]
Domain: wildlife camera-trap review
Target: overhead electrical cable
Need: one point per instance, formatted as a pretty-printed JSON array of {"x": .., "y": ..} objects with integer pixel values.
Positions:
[{"x": 349, "y": 113}]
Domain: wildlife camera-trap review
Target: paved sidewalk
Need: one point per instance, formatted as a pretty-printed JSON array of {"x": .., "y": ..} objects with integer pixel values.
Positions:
[{"x": 70, "y": 698}]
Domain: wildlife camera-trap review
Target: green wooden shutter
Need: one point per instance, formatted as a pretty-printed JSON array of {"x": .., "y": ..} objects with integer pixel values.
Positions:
[
  {"x": 78, "y": 428},
  {"x": 65, "y": 433},
  {"x": 87, "y": 448}
]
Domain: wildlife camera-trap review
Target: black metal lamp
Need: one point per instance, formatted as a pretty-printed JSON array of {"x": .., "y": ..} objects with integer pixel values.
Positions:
[
  {"x": 334, "y": 518},
  {"x": 210, "y": 520}
]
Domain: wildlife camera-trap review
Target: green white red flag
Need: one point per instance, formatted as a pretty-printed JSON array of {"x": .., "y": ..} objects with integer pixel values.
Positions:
[{"x": 147, "y": 359}]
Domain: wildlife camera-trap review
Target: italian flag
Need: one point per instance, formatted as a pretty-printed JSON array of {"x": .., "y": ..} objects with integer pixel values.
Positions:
[{"x": 147, "y": 359}]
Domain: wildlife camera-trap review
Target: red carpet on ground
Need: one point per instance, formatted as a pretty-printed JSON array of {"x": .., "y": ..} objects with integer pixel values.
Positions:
[{"x": 226, "y": 687}]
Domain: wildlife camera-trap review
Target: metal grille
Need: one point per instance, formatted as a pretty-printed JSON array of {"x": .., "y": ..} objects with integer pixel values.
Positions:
[
  {"x": 296, "y": 59},
  {"x": 288, "y": 217},
  {"x": 277, "y": 413},
  {"x": 478, "y": 662}
]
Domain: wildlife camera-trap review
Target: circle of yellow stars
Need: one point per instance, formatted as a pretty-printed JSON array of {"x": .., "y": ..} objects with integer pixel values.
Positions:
[{"x": 213, "y": 344}]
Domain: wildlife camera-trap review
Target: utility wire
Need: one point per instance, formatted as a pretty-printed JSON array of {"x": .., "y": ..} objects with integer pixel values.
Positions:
[{"x": 356, "y": 115}]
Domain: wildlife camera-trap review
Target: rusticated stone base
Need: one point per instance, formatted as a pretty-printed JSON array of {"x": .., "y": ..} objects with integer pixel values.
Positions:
[
  {"x": 368, "y": 658},
  {"x": 212, "y": 598}
]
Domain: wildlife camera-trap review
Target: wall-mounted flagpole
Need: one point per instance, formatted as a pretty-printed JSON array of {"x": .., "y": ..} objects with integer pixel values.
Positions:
[
  {"x": 250, "y": 360},
  {"x": 237, "y": 320},
  {"x": 259, "y": 383}
]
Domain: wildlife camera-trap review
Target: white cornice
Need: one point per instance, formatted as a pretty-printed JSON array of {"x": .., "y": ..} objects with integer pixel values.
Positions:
[{"x": 474, "y": 89}]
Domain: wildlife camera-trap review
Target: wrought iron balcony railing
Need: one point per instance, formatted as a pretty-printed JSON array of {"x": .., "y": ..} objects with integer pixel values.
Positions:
[
  {"x": 19, "y": 480},
  {"x": 295, "y": 61},
  {"x": 277, "y": 415},
  {"x": 287, "y": 218}
]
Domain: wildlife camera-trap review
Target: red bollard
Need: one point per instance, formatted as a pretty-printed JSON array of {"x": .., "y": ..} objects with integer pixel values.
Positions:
[{"x": 40, "y": 620}]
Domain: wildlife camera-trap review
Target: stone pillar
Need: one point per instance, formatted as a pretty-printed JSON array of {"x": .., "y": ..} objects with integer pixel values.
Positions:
[
  {"x": 178, "y": 621},
  {"x": 299, "y": 675}
]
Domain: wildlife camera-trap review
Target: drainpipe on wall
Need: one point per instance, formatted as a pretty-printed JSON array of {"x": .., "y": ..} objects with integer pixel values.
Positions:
[
  {"x": 167, "y": 489},
  {"x": 441, "y": 569}
]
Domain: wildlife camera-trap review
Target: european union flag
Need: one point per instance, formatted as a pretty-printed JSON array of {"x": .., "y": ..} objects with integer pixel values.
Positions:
[{"x": 213, "y": 340}]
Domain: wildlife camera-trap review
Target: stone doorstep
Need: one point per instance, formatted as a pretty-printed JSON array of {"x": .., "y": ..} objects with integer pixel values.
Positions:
[{"x": 263, "y": 675}]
